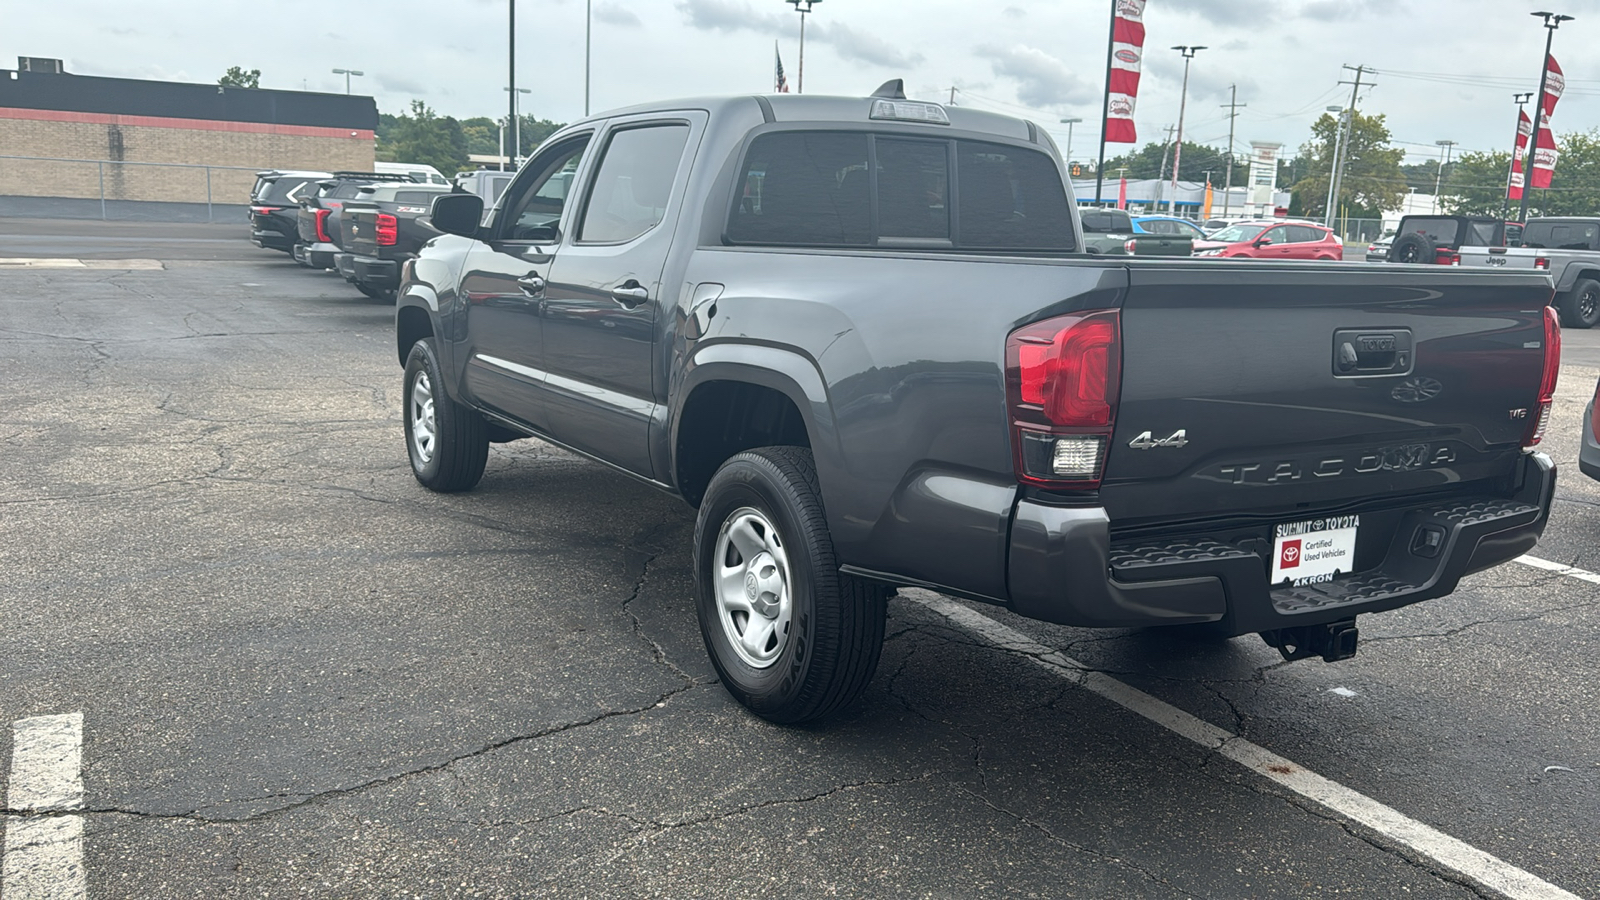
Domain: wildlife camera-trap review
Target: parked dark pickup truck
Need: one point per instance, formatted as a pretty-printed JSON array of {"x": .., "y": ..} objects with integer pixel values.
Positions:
[
  {"x": 861, "y": 336},
  {"x": 1111, "y": 232},
  {"x": 320, "y": 219},
  {"x": 382, "y": 227}
]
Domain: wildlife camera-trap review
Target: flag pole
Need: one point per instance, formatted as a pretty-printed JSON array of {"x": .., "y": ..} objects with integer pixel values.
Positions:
[
  {"x": 1511, "y": 170},
  {"x": 1105, "y": 108},
  {"x": 1538, "y": 116}
]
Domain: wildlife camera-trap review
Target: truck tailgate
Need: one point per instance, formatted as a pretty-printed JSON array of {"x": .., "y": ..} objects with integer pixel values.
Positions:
[
  {"x": 358, "y": 227},
  {"x": 1264, "y": 390},
  {"x": 1511, "y": 258}
]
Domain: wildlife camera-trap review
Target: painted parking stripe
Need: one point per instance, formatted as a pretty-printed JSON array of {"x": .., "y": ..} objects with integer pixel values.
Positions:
[
  {"x": 1480, "y": 868},
  {"x": 1560, "y": 569},
  {"x": 43, "y": 849}
]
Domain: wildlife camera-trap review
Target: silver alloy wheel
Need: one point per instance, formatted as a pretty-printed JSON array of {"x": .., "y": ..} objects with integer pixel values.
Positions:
[
  {"x": 752, "y": 584},
  {"x": 424, "y": 433}
]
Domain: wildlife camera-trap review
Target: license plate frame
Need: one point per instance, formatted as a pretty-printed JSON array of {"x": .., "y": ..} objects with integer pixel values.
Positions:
[{"x": 1313, "y": 551}]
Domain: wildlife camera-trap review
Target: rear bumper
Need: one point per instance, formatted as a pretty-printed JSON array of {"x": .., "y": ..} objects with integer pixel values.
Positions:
[
  {"x": 320, "y": 255},
  {"x": 271, "y": 239},
  {"x": 382, "y": 273},
  {"x": 1589, "y": 453},
  {"x": 1064, "y": 567}
]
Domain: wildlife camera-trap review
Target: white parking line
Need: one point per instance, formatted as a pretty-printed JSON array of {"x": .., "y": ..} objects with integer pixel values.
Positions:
[
  {"x": 1569, "y": 571},
  {"x": 20, "y": 262},
  {"x": 44, "y": 853},
  {"x": 1476, "y": 866}
]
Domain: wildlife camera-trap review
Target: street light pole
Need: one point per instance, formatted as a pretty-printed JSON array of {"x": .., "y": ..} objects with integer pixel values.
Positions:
[
  {"x": 511, "y": 64},
  {"x": 1444, "y": 160},
  {"x": 802, "y": 7},
  {"x": 1552, "y": 21},
  {"x": 1338, "y": 138},
  {"x": 588, "y": 26},
  {"x": 1505, "y": 202},
  {"x": 516, "y": 122},
  {"x": 1069, "y": 123},
  {"x": 347, "y": 73},
  {"x": 1183, "y": 101}
]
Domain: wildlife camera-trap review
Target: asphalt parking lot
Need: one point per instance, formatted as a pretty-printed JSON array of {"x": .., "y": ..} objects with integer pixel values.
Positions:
[{"x": 300, "y": 674}]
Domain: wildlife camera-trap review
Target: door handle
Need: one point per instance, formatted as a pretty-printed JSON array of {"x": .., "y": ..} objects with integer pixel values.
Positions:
[
  {"x": 630, "y": 294},
  {"x": 532, "y": 285}
]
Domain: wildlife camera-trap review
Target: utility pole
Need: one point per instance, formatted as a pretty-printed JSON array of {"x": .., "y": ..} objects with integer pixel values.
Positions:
[
  {"x": 1233, "y": 105},
  {"x": 1105, "y": 108},
  {"x": 1338, "y": 139},
  {"x": 1348, "y": 134},
  {"x": 1161, "y": 180},
  {"x": 952, "y": 95},
  {"x": 1551, "y": 23},
  {"x": 1505, "y": 202},
  {"x": 1183, "y": 101},
  {"x": 588, "y": 26},
  {"x": 511, "y": 57}
]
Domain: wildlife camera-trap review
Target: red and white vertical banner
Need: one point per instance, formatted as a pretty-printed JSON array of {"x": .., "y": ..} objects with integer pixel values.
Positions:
[
  {"x": 1122, "y": 85},
  {"x": 1545, "y": 153},
  {"x": 1524, "y": 129}
]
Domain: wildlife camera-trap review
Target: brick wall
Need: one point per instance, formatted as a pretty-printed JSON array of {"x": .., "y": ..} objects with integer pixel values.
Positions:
[{"x": 139, "y": 139}]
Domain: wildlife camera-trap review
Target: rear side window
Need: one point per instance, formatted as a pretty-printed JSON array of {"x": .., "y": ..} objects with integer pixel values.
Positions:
[
  {"x": 1562, "y": 235},
  {"x": 344, "y": 190},
  {"x": 804, "y": 188},
  {"x": 633, "y": 184},
  {"x": 1440, "y": 231},
  {"x": 287, "y": 190},
  {"x": 833, "y": 188},
  {"x": 1106, "y": 222},
  {"x": 1301, "y": 234}
]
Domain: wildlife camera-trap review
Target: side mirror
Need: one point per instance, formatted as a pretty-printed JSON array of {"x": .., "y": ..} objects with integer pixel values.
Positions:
[
  {"x": 1263, "y": 242},
  {"x": 458, "y": 214}
]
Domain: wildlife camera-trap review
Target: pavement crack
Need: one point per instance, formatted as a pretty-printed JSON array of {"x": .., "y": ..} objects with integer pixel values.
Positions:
[{"x": 644, "y": 544}]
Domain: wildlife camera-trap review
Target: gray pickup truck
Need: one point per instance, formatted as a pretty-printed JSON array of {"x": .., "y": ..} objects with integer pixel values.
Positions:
[
  {"x": 861, "y": 336},
  {"x": 1568, "y": 249}
]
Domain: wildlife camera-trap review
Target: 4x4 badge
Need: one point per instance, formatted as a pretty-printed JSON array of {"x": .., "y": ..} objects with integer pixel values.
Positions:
[{"x": 1147, "y": 442}]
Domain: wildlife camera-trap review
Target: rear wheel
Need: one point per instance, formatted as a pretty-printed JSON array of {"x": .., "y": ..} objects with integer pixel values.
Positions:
[
  {"x": 447, "y": 441},
  {"x": 1580, "y": 307},
  {"x": 792, "y": 638},
  {"x": 1412, "y": 248}
]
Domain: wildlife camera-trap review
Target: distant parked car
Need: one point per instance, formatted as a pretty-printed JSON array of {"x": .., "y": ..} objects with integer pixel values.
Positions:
[
  {"x": 1273, "y": 240},
  {"x": 1589, "y": 449},
  {"x": 1437, "y": 240},
  {"x": 1378, "y": 250},
  {"x": 486, "y": 183},
  {"x": 275, "y": 207},
  {"x": 1168, "y": 225},
  {"x": 417, "y": 172}
]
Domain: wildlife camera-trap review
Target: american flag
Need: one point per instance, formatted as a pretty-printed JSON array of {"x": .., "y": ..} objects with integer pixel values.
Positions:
[{"x": 782, "y": 82}]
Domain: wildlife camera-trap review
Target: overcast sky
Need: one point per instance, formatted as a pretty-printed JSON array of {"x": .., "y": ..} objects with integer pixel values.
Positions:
[{"x": 1446, "y": 68}]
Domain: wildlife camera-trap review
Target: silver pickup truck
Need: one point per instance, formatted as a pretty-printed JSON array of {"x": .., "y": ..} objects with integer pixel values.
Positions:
[{"x": 1568, "y": 249}]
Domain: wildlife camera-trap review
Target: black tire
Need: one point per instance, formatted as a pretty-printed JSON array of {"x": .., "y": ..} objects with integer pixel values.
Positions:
[
  {"x": 835, "y": 623},
  {"x": 1412, "y": 247},
  {"x": 453, "y": 456},
  {"x": 1580, "y": 307},
  {"x": 375, "y": 292}
]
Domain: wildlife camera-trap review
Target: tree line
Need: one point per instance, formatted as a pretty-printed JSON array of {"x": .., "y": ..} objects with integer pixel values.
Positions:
[{"x": 422, "y": 136}]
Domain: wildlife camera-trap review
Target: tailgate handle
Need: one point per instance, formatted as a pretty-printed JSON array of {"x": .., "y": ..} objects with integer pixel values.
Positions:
[{"x": 1366, "y": 353}]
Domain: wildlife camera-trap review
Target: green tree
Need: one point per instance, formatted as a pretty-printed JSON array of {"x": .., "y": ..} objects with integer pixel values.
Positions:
[
  {"x": 1197, "y": 159},
  {"x": 483, "y": 135},
  {"x": 426, "y": 137},
  {"x": 1478, "y": 184},
  {"x": 534, "y": 131},
  {"x": 1372, "y": 181},
  {"x": 240, "y": 78}
]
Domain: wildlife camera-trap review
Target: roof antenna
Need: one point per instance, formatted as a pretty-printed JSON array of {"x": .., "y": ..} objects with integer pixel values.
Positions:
[{"x": 893, "y": 89}]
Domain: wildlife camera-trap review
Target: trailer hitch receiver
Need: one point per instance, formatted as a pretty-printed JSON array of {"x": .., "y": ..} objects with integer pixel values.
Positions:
[{"x": 1332, "y": 641}]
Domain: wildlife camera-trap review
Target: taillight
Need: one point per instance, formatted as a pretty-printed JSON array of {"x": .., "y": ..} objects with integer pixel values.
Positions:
[
  {"x": 264, "y": 210},
  {"x": 322, "y": 225},
  {"x": 1448, "y": 257},
  {"x": 1541, "y": 262},
  {"x": 1547, "y": 382},
  {"x": 388, "y": 230},
  {"x": 1131, "y": 246},
  {"x": 1063, "y": 378}
]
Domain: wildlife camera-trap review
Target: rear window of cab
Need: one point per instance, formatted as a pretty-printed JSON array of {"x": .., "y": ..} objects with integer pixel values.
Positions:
[{"x": 863, "y": 189}]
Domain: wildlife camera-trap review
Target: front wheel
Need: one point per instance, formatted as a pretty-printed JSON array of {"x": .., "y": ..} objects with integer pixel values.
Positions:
[
  {"x": 1580, "y": 307},
  {"x": 792, "y": 638},
  {"x": 448, "y": 442}
]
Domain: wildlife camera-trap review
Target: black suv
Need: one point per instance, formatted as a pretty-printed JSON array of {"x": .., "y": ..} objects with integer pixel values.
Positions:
[
  {"x": 1435, "y": 239},
  {"x": 275, "y": 207}
]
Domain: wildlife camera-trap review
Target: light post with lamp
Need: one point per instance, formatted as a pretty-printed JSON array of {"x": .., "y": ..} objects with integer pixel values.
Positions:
[
  {"x": 1444, "y": 160},
  {"x": 1069, "y": 123},
  {"x": 347, "y": 73},
  {"x": 1552, "y": 21},
  {"x": 516, "y": 124},
  {"x": 1183, "y": 100},
  {"x": 802, "y": 7}
]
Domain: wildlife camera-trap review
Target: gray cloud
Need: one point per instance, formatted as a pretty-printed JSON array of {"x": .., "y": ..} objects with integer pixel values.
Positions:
[
  {"x": 1014, "y": 12},
  {"x": 728, "y": 15},
  {"x": 1230, "y": 12},
  {"x": 396, "y": 84},
  {"x": 864, "y": 47},
  {"x": 857, "y": 46},
  {"x": 1042, "y": 80},
  {"x": 616, "y": 14}
]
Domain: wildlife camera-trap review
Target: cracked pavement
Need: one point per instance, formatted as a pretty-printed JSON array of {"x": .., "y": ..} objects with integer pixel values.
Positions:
[{"x": 302, "y": 674}]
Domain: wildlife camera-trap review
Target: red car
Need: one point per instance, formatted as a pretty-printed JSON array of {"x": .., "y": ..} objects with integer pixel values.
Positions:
[{"x": 1273, "y": 240}]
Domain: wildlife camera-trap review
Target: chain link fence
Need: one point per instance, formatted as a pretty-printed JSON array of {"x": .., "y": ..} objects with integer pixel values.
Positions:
[{"x": 77, "y": 187}]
